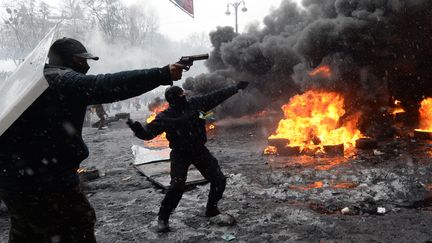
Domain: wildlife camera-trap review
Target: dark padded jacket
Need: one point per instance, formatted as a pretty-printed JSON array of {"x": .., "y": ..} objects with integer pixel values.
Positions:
[
  {"x": 42, "y": 150},
  {"x": 184, "y": 129}
]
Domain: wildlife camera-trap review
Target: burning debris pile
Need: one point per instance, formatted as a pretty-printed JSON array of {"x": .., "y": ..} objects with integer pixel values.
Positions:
[
  {"x": 371, "y": 53},
  {"x": 314, "y": 122}
]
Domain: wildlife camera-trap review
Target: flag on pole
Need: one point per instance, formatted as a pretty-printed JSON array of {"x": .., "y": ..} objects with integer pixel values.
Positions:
[{"x": 185, "y": 5}]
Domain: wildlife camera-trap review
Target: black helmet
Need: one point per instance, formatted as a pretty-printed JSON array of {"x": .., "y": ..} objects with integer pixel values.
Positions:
[{"x": 66, "y": 48}]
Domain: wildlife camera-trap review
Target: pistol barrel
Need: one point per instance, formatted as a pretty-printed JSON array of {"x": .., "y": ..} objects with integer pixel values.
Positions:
[{"x": 200, "y": 57}]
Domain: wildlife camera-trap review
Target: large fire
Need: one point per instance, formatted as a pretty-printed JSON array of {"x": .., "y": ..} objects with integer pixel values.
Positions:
[
  {"x": 426, "y": 115},
  {"x": 313, "y": 120},
  {"x": 159, "y": 141}
]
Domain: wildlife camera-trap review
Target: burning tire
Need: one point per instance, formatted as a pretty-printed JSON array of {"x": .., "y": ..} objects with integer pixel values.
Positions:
[
  {"x": 278, "y": 142},
  {"x": 423, "y": 134},
  {"x": 366, "y": 143},
  {"x": 337, "y": 149},
  {"x": 289, "y": 150}
]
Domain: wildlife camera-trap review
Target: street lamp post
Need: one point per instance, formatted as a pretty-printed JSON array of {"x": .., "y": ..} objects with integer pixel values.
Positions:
[{"x": 236, "y": 5}]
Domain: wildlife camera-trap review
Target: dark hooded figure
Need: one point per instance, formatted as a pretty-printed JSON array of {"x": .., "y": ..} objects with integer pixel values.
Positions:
[
  {"x": 42, "y": 150},
  {"x": 186, "y": 133}
]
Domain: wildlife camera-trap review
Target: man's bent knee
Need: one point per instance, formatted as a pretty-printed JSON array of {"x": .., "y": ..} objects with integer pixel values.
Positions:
[{"x": 178, "y": 184}]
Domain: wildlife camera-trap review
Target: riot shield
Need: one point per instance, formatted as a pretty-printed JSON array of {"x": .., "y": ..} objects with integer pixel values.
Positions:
[{"x": 25, "y": 84}]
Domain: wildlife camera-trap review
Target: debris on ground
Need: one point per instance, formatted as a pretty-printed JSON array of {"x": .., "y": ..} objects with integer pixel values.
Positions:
[
  {"x": 223, "y": 220},
  {"x": 228, "y": 237}
]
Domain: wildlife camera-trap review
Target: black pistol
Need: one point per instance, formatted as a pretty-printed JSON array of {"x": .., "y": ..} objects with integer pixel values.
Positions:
[{"x": 188, "y": 60}]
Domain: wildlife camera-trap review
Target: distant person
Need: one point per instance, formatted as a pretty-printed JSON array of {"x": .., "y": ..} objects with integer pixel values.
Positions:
[
  {"x": 101, "y": 113},
  {"x": 41, "y": 152},
  {"x": 186, "y": 132},
  {"x": 137, "y": 103}
]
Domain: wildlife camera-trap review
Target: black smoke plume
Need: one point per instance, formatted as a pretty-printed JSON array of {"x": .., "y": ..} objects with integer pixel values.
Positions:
[{"x": 378, "y": 50}]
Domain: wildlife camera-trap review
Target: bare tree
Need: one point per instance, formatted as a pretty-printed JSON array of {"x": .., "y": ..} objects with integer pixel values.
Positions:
[
  {"x": 198, "y": 41},
  {"x": 109, "y": 15},
  {"x": 140, "y": 24},
  {"x": 75, "y": 18},
  {"x": 25, "y": 24},
  {"x": 73, "y": 9}
]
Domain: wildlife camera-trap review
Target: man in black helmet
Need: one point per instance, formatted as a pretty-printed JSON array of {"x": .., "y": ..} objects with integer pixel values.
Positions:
[
  {"x": 42, "y": 150},
  {"x": 185, "y": 130}
]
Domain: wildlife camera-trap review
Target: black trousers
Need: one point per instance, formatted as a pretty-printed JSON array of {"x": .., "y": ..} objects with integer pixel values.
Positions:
[
  {"x": 61, "y": 217},
  {"x": 204, "y": 161}
]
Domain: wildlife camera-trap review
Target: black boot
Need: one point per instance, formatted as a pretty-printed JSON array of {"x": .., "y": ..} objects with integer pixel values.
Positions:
[
  {"x": 163, "y": 225},
  {"x": 212, "y": 210}
]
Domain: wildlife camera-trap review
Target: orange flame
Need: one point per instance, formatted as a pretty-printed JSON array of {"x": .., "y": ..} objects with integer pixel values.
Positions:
[
  {"x": 270, "y": 150},
  {"x": 315, "y": 185},
  {"x": 320, "y": 184},
  {"x": 313, "y": 119},
  {"x": 151, "y": 117},
  {"x": 426, "y": 114},
  {"x": 397, "y": 108},
  {"x": 324, "y": 71},
  {"x": 155, "y": 111},
  {"x": 397, "y": 111}
]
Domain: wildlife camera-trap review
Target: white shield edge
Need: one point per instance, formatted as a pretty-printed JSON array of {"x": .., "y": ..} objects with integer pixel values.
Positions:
[{"x": 25, "y": 84}]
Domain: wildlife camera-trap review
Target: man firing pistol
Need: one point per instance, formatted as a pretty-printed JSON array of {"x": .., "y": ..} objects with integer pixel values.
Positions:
[{"x": 41, "y": 152}]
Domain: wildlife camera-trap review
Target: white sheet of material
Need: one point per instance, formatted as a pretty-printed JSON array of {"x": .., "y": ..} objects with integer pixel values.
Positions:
[
  {"x": 25, "y": 84},
  {"x": 145, "y": 155}
]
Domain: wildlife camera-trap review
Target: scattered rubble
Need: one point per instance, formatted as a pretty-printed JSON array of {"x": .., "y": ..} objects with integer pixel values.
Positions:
[{"x": 291, "y": 198}]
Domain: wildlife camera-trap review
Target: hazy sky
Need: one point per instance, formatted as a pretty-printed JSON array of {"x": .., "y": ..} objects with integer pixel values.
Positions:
[
  {"x": 176, "y": 24},
  {"x": 208, "y": 14}
]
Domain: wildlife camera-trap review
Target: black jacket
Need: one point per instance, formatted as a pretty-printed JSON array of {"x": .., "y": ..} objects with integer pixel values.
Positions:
[
  {"x": 184, "y": 129},
  {"x": 43, "y": 148}
]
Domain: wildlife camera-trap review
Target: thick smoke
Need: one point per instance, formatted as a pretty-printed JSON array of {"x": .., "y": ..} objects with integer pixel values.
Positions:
[{"x": 377, "y": 49}]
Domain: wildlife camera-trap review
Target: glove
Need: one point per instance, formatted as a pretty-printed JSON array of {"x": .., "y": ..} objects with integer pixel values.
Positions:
[
  {"x": 242, "y": 84},
  {"x": 135, "y": 126}
]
